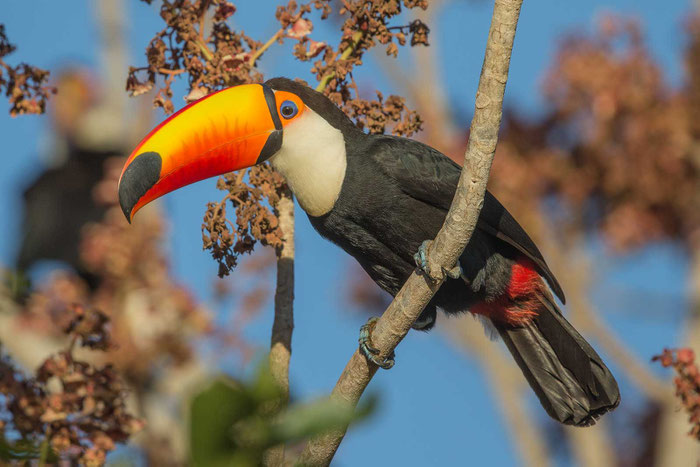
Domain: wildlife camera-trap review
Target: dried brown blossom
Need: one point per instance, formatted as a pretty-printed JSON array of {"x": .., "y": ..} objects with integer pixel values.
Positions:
[
  {"x": 211, "y": 61},
  {"x": 130, "y": 262},
  {"x": 255, "y": 222},
  {"x": 24, "y": 85},
  {"x": 77, "y": 407},
  {"x": 366, "y": 24},
  {"x": 225, "y": 57},
  {"x": 616, "y": 145},
  {"x": 687, "y": 383},
  {"x": 145, "y": 329}
]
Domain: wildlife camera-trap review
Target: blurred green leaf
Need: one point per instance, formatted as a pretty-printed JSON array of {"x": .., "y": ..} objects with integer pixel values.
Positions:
[
  {"x": 213, "y": 413},
  {"x": 301, "y": 421},
  {"x": 233, "y": 423},
  {"x": 17, "y": 284},
  {"x": 22, "y": 449}
]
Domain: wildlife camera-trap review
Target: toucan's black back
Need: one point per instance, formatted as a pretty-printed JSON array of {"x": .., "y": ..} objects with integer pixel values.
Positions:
[{"x": 395, "y": 194}]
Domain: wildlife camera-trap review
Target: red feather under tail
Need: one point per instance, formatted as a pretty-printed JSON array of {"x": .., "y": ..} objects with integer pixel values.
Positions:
[{"x": 519, "y": 304}]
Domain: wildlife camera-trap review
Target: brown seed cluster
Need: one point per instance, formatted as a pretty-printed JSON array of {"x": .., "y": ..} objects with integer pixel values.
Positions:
[
  {"x": 198, "y": 43},
  {"x": 687, "y": 383},
  {"x": 24, "y": 85},
  {"x": 77, "y": 407},
  {"x": 136, "y": 287},
  {"x": 365, "y": 25},
  {"x": 617, "y": 146},
  {"x": 255, "y": 220},
  {"x": 137, "y": 322}
]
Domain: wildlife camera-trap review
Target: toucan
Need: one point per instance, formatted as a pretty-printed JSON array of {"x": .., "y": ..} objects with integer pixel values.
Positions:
[{"x": 379, "y": 198}]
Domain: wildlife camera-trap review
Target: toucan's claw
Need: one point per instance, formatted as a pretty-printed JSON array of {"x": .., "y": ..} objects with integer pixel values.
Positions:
[
  {"x": 421, "y": 256},
  {"x": 370, "y": 352},
  {"x": 456, "y": 272},
  {"x": 421, "y": 259}
]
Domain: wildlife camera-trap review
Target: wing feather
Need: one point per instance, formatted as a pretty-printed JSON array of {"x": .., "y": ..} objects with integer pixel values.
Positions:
[{"x": 429, "y": 176}]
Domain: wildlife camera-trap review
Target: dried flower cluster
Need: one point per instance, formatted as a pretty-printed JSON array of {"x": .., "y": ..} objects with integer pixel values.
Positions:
[
  {"x": 217, "y": 56},
  {"x": 183, "y": 47},
  {"x": 617, "y": 146},
  {"x": 366, "y": 24},
  {"x": 136, "y": 288},
  {"x": 687, "y": 383},
  {"x": 255, "y": 222},
  {"x": 74, "y": 407},
  {"x": 153, "y": 320},
  {"x": 24, "y": 85}
]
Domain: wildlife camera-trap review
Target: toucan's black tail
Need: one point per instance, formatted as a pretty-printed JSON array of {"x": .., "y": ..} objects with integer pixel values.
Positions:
[{"x": 570, "y": 379}]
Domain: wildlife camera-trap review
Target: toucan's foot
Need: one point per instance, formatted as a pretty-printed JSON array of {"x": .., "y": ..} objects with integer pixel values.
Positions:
[
  {"x": 370, "y": 352},
  {"x": 421, "y": 256},
  {"x": 421, "y": 259}
]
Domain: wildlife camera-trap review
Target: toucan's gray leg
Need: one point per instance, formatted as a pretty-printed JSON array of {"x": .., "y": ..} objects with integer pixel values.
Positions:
[
  {"x": 370, "y": 352},
  {"x": 421, "y": 259}
]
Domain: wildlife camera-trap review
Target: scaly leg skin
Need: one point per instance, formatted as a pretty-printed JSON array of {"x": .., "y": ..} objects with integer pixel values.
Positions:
[
  {"x": 372, "y": 353},
  {"x": 421, "y": 259}
]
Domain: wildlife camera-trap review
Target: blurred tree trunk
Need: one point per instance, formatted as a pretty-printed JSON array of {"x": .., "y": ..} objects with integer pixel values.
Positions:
[
  {"x": 674, "y": 447},
  {"x": 508, "y": 388}
]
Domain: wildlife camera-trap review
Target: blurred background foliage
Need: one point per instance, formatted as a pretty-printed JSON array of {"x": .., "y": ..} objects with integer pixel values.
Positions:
[{"x": 104, "y": 343}]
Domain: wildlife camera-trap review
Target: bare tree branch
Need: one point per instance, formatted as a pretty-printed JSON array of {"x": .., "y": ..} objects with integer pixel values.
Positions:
[
  {"x": 459, "y": 225},
  {"x": 673, "y": 446},
  {"x": 591, "y": 447},
  {"x": 283, "y": 324}
]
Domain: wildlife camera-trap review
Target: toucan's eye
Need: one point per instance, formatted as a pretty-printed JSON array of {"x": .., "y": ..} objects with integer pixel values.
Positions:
[{"x": 288, "y": 109}]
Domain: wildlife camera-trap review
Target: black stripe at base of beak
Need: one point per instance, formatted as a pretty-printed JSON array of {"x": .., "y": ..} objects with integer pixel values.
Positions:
[
  {"x": 272, "y": 106},
  {"x": 138, "y": 178},
  {"x": 272, "y": 145},
  {"x": 274, "y": 141}
]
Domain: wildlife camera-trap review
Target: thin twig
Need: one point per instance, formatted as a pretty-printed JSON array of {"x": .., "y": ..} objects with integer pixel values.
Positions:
[
  {"x": 256, "y": 55},
  {"x": 205, "y": 50},
  {"x": 165, "y": 71},
  {"x": 202, "y": 19},
  {"x": 343, "y": 56},
  {"x": 459, "y": 225}
]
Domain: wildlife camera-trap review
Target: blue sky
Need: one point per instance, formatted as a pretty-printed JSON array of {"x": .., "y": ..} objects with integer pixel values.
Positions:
[{"x": 435, "y": 404}]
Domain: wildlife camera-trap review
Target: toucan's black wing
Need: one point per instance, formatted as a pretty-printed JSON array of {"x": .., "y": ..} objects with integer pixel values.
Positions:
[{"x": 428, "y": 175}]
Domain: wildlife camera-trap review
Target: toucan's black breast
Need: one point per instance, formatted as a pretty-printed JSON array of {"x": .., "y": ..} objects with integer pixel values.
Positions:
[
  {"x": 380, "y": 225},
  {"x": 138, "y": 178},
  {"x": 395, "y": 195}
]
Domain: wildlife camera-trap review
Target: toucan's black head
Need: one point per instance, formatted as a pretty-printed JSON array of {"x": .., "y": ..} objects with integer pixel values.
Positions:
[
  {"x": 318, "y": 102},
  {"x": 231, "y": 129}
]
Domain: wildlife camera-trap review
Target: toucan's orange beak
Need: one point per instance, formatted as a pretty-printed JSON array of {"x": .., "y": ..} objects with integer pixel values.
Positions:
[{"x": 225, "y": 131}]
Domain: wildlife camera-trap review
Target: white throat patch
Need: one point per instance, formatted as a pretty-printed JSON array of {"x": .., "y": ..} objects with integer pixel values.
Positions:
[{"x": 312, "y": 159}]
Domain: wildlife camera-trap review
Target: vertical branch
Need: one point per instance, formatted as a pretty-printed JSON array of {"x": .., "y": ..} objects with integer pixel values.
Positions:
[
  {"x": 455, "y": 233},
  {"x": 283, "y": 324},
  {"x": 673, "y": 446},
  {"x": 592, "y": 447},
  {"x": 110, "y": 17}
]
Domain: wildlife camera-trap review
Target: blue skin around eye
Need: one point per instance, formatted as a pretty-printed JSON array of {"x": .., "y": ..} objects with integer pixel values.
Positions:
[{"x": 284, "y": 109}]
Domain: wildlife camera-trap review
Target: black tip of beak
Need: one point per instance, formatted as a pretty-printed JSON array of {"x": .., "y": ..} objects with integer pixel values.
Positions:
[{"x": 138, "y": 178}]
